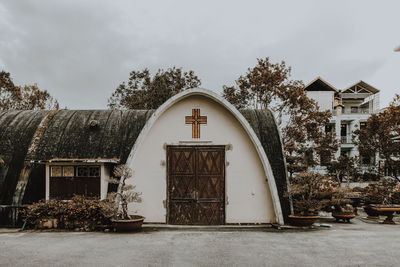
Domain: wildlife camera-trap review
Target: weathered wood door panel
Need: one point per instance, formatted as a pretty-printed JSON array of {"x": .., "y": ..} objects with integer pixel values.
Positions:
[{"x": 196, "y": 185}]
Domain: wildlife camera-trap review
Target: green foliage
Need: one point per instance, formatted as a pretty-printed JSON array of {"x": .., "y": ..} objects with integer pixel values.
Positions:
[
  {"x": 79, "y": 212},
  {"x": 25, "y": 97},
  {"x": 142, "y": 91}
]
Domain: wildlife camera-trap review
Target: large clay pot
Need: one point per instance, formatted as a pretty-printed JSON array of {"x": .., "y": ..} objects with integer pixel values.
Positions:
[
  {"x": 344, "y": 216},
  {"x": 128, "y": 225},
  {"x": 370, "y": 212},
  {"x": 386, "y": 210},
  {"x": 300, "y": 220}
]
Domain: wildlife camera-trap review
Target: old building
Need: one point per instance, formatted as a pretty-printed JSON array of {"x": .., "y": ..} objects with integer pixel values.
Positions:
[{"x": 196, "y": 159}]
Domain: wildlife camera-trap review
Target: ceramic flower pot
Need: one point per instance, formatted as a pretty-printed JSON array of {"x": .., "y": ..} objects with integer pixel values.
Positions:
[
  {"x": 386, "y": 210},
  {"x": 301, "y": 220},
  {"x": 372, "y": 214},
  {"x": 343, "y": 216},
  {"x": 128, "y": 225}
]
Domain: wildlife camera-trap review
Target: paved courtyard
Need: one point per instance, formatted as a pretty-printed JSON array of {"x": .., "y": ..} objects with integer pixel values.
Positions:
[{"x": 354, "y": 244}]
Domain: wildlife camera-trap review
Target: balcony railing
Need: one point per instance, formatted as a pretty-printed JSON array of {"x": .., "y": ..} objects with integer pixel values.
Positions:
[
  {"x": 346, "y": 139},
  {"x": 355, "y": 95},
  {"x": 353, "y": 111},
  {"x": 356, "y": 111}
]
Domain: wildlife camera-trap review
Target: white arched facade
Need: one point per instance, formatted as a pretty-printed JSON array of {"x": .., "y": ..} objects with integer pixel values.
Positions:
[{"x": 250, "y": 191}]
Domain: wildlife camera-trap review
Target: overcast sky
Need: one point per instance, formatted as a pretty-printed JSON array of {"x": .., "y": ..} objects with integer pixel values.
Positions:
[{"x": 81, "y": 50}]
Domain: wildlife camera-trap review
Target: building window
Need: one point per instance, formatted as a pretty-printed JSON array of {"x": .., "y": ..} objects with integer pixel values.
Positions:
[
  {"x": 328, "y": 128},
  {"x": 67, "y": 181},
  {"x": 354, "y": 109},
  {"x": 391, "y": 172},
  {"x": 363, "y": 124},
  {"x": 343, "y": 130}
]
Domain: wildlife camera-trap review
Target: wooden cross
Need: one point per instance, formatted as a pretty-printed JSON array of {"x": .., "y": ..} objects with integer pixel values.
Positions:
[{"x": 195, "y": 120}]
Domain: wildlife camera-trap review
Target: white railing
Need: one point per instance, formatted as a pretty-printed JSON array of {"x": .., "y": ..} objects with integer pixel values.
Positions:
[
  {"x": 357, "y": 111},
  {"x": 355, "y": 95},
  {"x": 346, "y": 139}
]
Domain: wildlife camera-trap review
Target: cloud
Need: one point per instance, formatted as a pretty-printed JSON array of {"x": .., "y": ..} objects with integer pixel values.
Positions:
[
  {"x": 81, "y": 50},
  {"x": 69, "y": 47}
]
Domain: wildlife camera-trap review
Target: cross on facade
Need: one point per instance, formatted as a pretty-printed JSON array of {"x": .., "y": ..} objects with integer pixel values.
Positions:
[{"x": 195, "y": 120}]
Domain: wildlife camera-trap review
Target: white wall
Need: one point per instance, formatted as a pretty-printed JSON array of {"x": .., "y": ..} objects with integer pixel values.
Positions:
[
  {"x": 247, "y": 191},
  {"x": 323, "y": 98}
]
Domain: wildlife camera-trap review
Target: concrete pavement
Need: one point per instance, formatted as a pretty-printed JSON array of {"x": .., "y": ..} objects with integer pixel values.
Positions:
[{"x": 355, "y": 244}]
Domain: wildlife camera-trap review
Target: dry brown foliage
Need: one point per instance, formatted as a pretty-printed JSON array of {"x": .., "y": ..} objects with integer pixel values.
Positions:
[
  {"x": 268, "y": 85},
  {"x": 79, "y": 212},
  {"x": 382, "y": 135},
  {"x": 142, "y": 91},
  {"x": 26, "y": 97},
  {"x": 310, "y": 192}
]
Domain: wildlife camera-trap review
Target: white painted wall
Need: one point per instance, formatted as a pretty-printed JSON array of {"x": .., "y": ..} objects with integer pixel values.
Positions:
[
  {"x": 247, "y": 192},
  {"x": 323, "y": 98}
]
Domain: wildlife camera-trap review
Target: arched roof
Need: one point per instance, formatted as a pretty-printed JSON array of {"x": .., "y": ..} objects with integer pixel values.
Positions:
[
  {"x": 40, "y": 136},
  {"x": 273, "y": 144},
  {"x": 66, "y": 135}
]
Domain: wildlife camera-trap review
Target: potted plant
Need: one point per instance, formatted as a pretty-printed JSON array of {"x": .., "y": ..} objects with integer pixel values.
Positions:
[
  {"x": 309, "y": 193},
  {"x": 123, "y": 221},
  {"x": 383, "y": 198},
  {"x": 343, "y": 210},
  {"x": 372, "y": 194}
]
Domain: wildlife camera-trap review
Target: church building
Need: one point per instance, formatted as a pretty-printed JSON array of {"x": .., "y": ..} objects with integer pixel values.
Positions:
[{"x": 197, "y": 160}]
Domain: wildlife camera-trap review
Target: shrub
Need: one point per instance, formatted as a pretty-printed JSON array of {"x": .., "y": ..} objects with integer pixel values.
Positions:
[
  {"x": 386, "y": 192},
  {"x": 79, "y": 212},
  {"x": 310, "y": 192}
]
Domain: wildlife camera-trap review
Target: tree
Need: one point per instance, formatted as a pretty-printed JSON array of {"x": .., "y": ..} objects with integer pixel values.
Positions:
[
  {"x": 145, "y": 92},
  {"x": 343, "y": 166},
  {"x": 23, "y": 97},
  {"x": 268, "y": 85},
  {"x": 126, "y": 192},
  {"x": 381, "y": 135}
]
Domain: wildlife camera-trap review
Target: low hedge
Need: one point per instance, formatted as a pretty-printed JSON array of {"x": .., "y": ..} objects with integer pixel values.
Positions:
[{"x": 79, "y": 212}]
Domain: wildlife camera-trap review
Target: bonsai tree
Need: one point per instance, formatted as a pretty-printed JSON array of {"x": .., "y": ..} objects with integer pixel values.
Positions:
[
  {"x": 125, "y": 193},
  {"x": 310, "y": 192},
  {"x": 340, "y": 200},
  {"x": 344, "y": 166},
  {"x": 385, "y": 192}
]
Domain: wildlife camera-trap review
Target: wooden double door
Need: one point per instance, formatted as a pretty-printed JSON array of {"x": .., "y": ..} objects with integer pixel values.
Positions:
[{"x": 196, "y": 185}]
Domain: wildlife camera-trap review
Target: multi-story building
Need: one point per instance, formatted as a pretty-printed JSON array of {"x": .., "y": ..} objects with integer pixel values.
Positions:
[{"x": 350, "y": 107}]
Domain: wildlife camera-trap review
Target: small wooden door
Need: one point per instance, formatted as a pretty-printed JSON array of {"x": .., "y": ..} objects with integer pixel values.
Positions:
[{"x": 196, "y": 185}]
